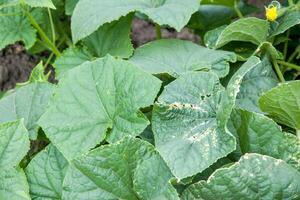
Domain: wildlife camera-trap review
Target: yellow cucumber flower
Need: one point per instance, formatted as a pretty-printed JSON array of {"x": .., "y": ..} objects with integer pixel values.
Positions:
[{"x": 271, "y": 13}]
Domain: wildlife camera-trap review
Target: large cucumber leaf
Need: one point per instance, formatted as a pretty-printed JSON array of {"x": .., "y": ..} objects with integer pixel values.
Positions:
[
  {"x": 45, "y": 174},
  {"x": 28, "y": 102},
  {"x": 257, "y": 81},
  {"x": 287, "y": 21},
  {"x": 283, "y": 104},
  {"x": 129, "y": 169},
  {"x": 185, "y": 126},
  {"x": 249, "y": 29},
  {"x": 259, "y": 134},
  {"x": 96, "y": 97},
  {"x": 178, "y": 57},
  {"x": 13, "y": 185},
  {"x": 70, "y": 58},
  {"x": 89, "y": 15},
  {"x": 14, "y": 27},
  {"x": 14, "y": 144},
  {"x": 112, "y": 38},
  {"x": 254, "y": 177},
  {"x": 190, "y": 118}
]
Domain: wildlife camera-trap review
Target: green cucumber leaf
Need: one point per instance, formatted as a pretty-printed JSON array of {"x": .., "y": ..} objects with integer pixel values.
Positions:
[
  {"x": 249, "y": 29},
  {"x": 96, "y": 97},
  {"x": 40, "y": 3},
  {"x": 228, "y": 100},
  {"x": 45, "y": 174},
  {"x": 185, "y": 120},
  {"x": 112, "y": 38},
  {"x": 129, "y": 169},
  {"x": 287, "y": 21},
  {"x": 282, "y": 103},
  {"x": 178, "y": 57},
  {"x": 13, "y": 184},
  {"x": 89, "y": 15},
  {"x": 70, "y": 6},
  {"x": 209, "y": 17},
  {"x": 259, "y": 134},
  {"x": 15, "y": 27},
  {"x": 211, "y": 37},
  {"x": 14, "y": 144},
  {"x": 191, "y": 116},
  {"x": 28, "y": 102},
  {"x": 254, "y": 177},
  {"x": 257, "y": 81},
  {"x": 70, "y": 58}
]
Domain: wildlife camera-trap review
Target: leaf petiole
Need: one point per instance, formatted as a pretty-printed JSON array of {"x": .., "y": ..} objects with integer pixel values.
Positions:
[
  {"x": 237, "y": 10},
  {"x": 41, "y": 32},
  {"x": 289, "y": 65},
  {"x": 158, "y": 32},
  {"x": 278, "y": 71}
]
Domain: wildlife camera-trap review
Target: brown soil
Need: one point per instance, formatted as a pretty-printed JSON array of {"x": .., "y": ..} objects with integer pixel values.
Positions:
[{"x": 15, "y": 66}]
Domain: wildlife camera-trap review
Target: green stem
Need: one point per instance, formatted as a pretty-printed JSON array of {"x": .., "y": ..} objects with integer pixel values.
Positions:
[
  {"x": 52, "y": 26},
  {"x": 48, "y": 60},
  {"x": 41, "y": 33},
  {"x": 158, "y": 31},
  {"x": 278, "y": 71},
  {"x": 292, "y": 56},
  {"x": 289, "y": 65},
  {"x": 291, "y": 2},
  {"x": 286, "y": 44},
  {"x": 237, "y": 10}
]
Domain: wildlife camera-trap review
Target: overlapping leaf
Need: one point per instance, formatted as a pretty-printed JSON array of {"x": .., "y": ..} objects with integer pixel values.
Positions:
[
  {"x": 112, "y": 38},
  {"x": 259, "y": 134},
  {"x": 94, "y": 97},
  {"x": 257, "y": 81},
  {"x": 12, "y": 21},
  {"x": 190, "y": 119},
  {"x": 45, "y": 174},
  {"x": 28, "y": 102},
  {"x": 70, "y": 6},
  {"x": 72, "y": 57},
  {"x": 89, "y": 15},
  {"x": 289, "y": 20},
  {"x": 283, "y": 104},
  {"x": 178, "y": 57},
  {"x": 14, "y": 144},
  {"x": 13, "y": 184},
  {"x": 254, "y": 177},
  {"x": 185, "y": 125},
  {"x": 130, "y": 169},
  {"x": 249, "y": 29}
]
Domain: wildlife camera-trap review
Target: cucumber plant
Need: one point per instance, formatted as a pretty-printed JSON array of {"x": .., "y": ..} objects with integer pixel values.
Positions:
[{"x": 171, "y": 119}]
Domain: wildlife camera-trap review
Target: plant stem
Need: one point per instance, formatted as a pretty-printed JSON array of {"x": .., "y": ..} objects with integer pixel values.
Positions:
[
  {"x": 278, "y": 71},
  {"x": 237, "y": 10},
  {"x": 286, "y": 44},
  {"x": 294, "y": 54},
  {"x": 289, "y": 65},
  {"x": 52, "y": 26},
  {"x": 41, "y": 33},
  {"x": 158, "y": 31}
]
